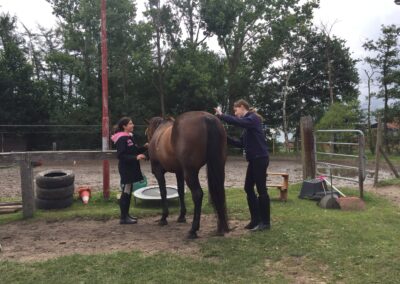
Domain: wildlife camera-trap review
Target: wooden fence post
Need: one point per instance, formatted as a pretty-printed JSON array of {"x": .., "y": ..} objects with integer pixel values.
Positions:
[
  {"x": 28, "y": 195},
  {"x": 307, "y": 147},
  {"x": 377, "y": 152},
  {"x": 390, "y": 164}
]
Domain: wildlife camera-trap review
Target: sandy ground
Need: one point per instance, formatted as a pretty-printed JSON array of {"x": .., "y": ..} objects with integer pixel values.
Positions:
[
  {"x": 40, "y": 240},
  {"x": 90, "y": 173}
]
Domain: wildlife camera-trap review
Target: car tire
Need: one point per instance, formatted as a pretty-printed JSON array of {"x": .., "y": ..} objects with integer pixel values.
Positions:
[{"x": 55, "y": 178}]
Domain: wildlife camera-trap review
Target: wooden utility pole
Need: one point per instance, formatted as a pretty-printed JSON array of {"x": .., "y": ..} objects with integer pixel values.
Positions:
[
  {"x": 105, "y": 120},
  {"x": 307, "y": 147}
]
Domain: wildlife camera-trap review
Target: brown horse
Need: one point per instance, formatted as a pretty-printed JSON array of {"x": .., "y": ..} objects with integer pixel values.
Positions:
[{"x": 183, "y": 146}]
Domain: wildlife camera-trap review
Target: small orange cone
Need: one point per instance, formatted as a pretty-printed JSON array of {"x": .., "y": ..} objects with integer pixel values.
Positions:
[{"x": 84, "y": 194}]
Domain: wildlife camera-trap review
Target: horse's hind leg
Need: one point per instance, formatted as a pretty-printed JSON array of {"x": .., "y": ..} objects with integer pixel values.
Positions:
[
  {"x": 181, "y": 191},
  {"x": 159, "y": 174},
  {"x": 192, "y": 180}
]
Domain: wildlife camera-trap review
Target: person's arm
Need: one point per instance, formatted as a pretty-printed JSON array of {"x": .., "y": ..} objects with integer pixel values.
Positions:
[
  {"x": 142, "y": 150},
  {"x": 122, "y": 151},
  {"x": 245, "y": 122},
  {"x": 235, "y": 142}
]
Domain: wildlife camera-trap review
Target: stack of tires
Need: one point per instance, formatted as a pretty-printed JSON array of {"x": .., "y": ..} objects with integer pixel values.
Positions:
[{"x": 54, "y": 189}]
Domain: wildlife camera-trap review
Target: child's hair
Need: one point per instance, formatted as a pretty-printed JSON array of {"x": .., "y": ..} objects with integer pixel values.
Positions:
[
  {"x": 246, "y": 105},
  {"x": 119, "y": 127}
]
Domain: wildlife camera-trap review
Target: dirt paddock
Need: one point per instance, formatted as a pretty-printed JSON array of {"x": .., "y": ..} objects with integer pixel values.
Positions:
[
  {"x": 90, "y": 173},
  {"x": 40, "y": 240}
]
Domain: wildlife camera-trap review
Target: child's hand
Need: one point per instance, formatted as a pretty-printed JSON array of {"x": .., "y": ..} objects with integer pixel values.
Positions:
[{"x": 140, "y": 157}]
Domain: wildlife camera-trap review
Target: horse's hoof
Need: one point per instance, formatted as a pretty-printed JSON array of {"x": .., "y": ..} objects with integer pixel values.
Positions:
[
  {"x": 181, "y": 220},
  {"x": 163, "y": 222},
  {"x": 192, "y": 236}
]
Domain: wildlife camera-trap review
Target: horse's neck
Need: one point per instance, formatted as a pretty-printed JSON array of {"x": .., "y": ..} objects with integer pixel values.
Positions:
[{"x": 164, "y": 136}]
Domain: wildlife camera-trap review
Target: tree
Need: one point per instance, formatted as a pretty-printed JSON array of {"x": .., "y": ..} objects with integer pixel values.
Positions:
[
  {"x": 21, "y": 99},
  {"x": 250, "y": 32},
  {"x": 291, "y": 49},
  {"x": 299, "y": 83},
  {"x": 189, "y": 13},
  {"x": 339, "y": 116},
  {"x": 385, "y": 59},
  {"x": 194, "y": 80},
  {"x": 370, "y": 75},
  {"x": 165, "y": 33}
]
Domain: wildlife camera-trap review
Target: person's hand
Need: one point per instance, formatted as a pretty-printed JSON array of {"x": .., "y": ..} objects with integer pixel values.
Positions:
[
  {"x": 218, "y": 110},
  {"x": 146, "y": 145},
  {"x": 140, "y": 157}
]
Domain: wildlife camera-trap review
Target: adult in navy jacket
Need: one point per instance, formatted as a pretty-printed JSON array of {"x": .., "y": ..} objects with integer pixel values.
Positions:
[
  {"x": 253, "y": 142},
  {"x": 129, "y": 154}
]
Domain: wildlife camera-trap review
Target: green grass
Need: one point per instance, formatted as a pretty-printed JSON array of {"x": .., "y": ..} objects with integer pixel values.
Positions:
[
  {"x": 306, "y": 243},
  {"x": 394, "y": 158},
  {"x": 387, "y": 182}
]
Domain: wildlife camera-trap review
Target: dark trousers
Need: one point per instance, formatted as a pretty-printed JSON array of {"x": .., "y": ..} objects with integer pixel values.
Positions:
[{"x": 257, "y": 175}]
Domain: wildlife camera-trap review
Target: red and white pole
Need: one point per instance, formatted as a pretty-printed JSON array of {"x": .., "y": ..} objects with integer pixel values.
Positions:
[{"x": 104, "y": 81}]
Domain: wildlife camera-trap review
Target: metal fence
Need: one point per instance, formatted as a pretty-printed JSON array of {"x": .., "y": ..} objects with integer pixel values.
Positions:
[
  {"x": 15, "y": 138},
  {"x": 342, "y": 145}
]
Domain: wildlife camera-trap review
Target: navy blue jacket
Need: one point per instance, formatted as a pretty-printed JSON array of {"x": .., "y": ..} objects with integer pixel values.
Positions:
[{"x": 252, "y": 138}]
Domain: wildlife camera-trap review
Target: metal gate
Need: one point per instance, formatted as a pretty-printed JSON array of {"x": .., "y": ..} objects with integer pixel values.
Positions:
[{"x": 359, "y": 158}]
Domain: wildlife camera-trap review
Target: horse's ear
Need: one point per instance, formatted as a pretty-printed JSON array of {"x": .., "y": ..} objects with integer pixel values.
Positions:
[{"x": 146, "y": 121}]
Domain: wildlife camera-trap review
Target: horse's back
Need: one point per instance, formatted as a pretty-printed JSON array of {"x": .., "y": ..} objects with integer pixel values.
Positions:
[{"x": 190, "y": 135}]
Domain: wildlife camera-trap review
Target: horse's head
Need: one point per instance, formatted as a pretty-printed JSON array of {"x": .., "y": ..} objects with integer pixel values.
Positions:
[{"x": 152, "y": 125}]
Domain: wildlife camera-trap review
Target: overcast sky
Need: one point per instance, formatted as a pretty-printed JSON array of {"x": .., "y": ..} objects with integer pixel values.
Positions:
[{"x": 352, "y": 20}]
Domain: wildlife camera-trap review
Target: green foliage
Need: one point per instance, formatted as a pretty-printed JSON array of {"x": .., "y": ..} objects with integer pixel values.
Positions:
[
  {"x": 340, "y": 116},
  {"x": 194, "y": 80},
  {"x": 385, "y": 58},
  {"x": 21, "y": 98},
  {"x": 303, "y": 74},
  {"x": 250, "y": 33},
  {"x": 163, "y": 64}
]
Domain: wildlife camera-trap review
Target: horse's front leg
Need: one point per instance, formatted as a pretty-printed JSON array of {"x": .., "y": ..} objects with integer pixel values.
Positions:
[
  {"x": 181, "y": 191},
  {"x": 192, "y": 180},
  {"x": 160, "y": 176}
]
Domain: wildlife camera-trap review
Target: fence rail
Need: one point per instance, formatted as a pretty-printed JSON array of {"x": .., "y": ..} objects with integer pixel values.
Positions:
[
  {"x": 25, "y": 160},
  {"x": 360, "y": 157}
]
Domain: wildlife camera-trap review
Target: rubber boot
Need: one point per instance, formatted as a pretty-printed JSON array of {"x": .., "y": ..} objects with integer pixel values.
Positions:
[
  {"x": 265, "y": 213},
  {"x": 129, "y": 206},
  {"x": 123, "y": 205},
  {"x": 254, "y": 213}
]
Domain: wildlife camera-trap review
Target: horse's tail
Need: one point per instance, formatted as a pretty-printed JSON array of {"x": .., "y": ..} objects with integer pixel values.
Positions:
[{"x": 216, "y": 170}]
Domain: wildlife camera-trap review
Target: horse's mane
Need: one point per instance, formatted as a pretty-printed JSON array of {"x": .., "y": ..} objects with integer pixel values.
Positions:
[{"x": 156, "y": 122}]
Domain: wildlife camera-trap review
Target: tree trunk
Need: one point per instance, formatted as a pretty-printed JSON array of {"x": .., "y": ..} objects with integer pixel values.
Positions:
[
  {"x": 370, "y": 138},
  {"x": 191, "y": 23},
  {"x": 385, "y": 121},
  {"x": 160, "y": 74},
  {"x": 329, "y": 69},
  {"x": 285, "y": 122},
  {"x": 284, "y": 114},
  {"x": 125, "y": 80}
]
